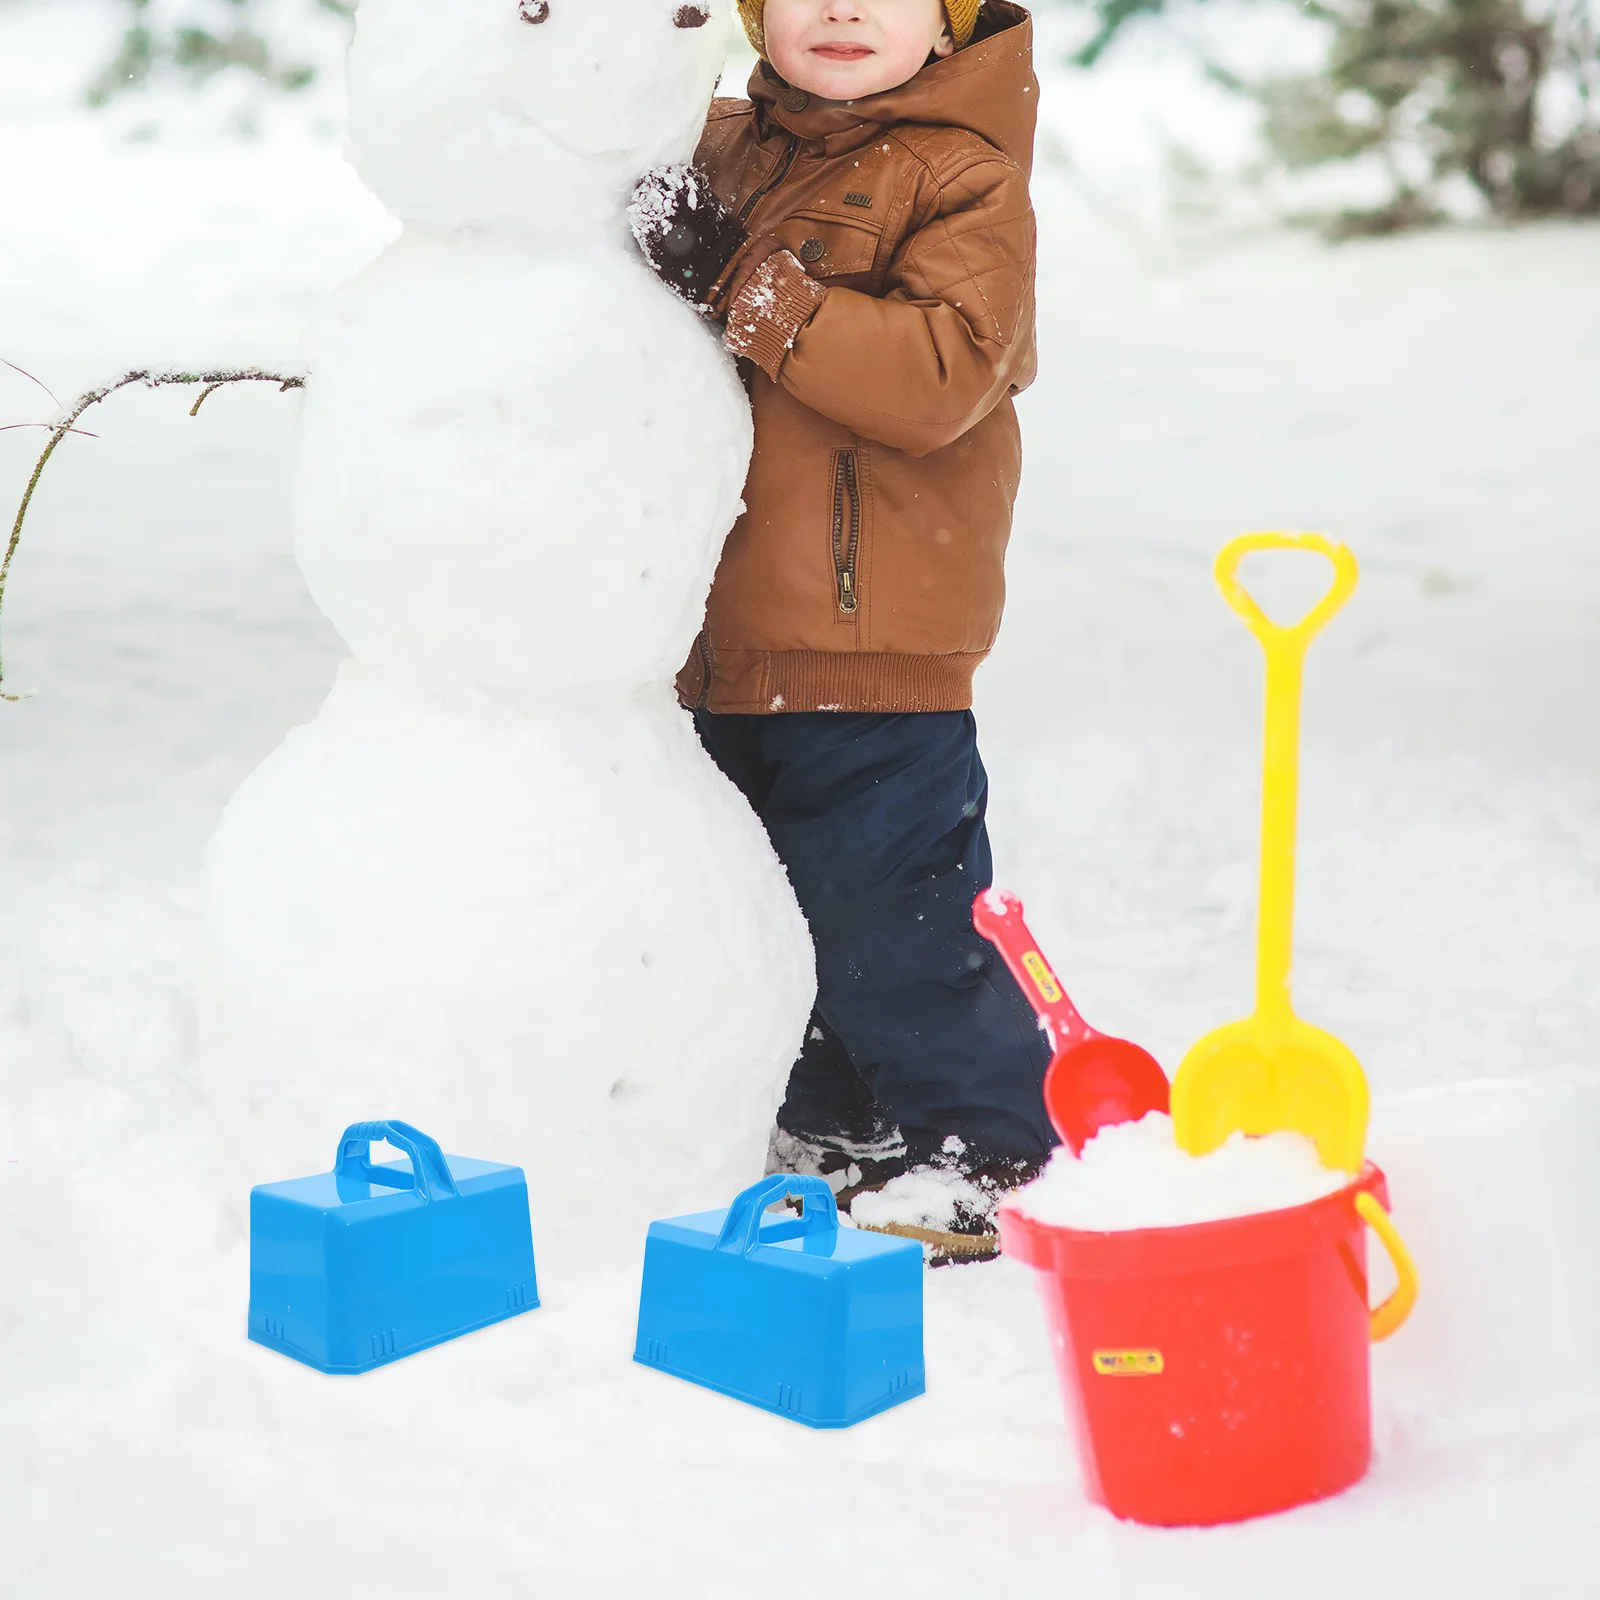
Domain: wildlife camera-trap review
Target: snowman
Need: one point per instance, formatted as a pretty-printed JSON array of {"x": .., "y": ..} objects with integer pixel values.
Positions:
[{"x": 495, "y": 887}]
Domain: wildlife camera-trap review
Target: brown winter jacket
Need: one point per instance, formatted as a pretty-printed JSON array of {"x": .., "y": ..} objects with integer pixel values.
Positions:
[{"x": 867, "y": 572}]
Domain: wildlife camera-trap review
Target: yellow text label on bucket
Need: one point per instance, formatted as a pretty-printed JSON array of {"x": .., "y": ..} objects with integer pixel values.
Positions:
[
  {"x": 1044, "y": 980},
  {"x": 1128, "y": 1363}
]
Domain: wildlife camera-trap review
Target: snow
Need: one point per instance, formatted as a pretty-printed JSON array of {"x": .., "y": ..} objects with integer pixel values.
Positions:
[
  {"x": 1429, "y": 400},
  {"x": 1133, "y": 1175},
  {"x": 927, "y": 1197},
  {"x": 656, "y": 200},
  {"x": 1501, "y": 1185}
]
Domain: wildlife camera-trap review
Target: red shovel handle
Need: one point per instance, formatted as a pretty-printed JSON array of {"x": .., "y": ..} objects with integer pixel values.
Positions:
[
  {"x": 997, "y": 915},
  {"x": 1094, "y": 1081}
]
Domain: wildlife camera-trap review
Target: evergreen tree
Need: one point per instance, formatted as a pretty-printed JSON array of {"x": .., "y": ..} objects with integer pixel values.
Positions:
[
  {"x": 1504, "y": 94},
  {"x": 197, "y": 39}
]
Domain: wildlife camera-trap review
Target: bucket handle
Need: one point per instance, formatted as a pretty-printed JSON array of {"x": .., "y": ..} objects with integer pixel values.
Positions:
[
  {"x": 1388, "y": 1317},
  {"x": 741, "y": 1228},
  {"x": 430, "y": 1172}
]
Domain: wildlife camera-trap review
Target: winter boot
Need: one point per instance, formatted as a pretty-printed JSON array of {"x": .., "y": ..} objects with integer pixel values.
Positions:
[
  {"x": 946, "y": 1204},
  {"x": 847, "y": 1164}
]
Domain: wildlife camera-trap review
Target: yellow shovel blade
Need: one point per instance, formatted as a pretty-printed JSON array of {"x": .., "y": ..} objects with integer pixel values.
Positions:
[{"x": 1257, "y": 1077}]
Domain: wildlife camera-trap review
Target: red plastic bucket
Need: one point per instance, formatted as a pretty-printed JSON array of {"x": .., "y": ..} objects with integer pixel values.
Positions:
[{"x": 1219, "y": 1370}]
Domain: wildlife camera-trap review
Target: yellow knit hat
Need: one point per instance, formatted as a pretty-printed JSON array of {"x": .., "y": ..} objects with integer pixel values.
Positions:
[{"x": 963, "y": 15}]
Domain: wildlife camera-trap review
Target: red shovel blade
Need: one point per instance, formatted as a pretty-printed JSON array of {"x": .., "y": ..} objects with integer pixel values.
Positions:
[
  {"x": 1091, "y": 1085},
  {"x": 1094, "y": 1080}
]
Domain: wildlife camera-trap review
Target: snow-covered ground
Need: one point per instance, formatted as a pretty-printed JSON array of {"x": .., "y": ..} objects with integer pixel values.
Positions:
[{"x": 1430, "y": 400}]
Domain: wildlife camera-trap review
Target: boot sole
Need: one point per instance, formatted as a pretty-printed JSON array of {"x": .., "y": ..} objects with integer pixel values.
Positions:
[{"x": 949, "y": 1249}]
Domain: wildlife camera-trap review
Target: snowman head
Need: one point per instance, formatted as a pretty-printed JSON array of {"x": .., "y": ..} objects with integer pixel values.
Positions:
[{"x": 525, "y": 115}]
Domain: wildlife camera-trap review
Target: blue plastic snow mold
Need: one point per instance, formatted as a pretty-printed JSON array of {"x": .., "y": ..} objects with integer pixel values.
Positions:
[
  {"x": 799, "y": 1316},
  {"x": 360, "y": 1266}
]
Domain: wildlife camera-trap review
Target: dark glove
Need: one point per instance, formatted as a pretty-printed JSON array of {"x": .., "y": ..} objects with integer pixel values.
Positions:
[{"x": 686, "y": 233}]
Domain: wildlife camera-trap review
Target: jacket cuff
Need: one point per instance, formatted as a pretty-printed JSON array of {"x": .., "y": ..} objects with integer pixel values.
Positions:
[{"x": 766, "y": 316}]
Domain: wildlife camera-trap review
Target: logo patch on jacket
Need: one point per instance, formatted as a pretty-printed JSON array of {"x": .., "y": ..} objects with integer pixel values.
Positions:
[{"x": 862, "y": 200}]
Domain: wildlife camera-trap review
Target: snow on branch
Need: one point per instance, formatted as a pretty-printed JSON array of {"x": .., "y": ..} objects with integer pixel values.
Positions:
[{"x": 67, "y": 424}]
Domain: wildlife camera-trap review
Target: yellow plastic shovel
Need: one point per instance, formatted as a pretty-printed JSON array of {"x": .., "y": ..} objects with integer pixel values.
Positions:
[{"x": 1272, "y": 1070}]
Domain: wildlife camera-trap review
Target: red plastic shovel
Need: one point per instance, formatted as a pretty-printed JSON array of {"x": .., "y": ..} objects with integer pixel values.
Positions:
[{"x": 1093, "y": 1080}]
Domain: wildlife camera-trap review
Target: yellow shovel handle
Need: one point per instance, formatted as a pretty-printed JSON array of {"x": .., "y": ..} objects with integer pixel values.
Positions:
[
  {"x": 1394, "y": 1311},
  {"x": 1272, "y": 635},
  {"x": 1285, "y": 651}
]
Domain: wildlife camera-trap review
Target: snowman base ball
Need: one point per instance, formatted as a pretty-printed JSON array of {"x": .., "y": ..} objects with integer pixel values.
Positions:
[
  {"x": 550, "y": 934},
  {"x": 496, "y": 887}
]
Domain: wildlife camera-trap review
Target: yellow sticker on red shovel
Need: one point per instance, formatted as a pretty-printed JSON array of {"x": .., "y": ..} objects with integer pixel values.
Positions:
[
  {"x": 1044, "y": 980},
  {"x": 1128, "y": 1363}
]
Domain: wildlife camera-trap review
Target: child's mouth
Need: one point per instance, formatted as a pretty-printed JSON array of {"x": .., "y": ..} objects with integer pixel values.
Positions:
[{"x": 841, "y": 52}]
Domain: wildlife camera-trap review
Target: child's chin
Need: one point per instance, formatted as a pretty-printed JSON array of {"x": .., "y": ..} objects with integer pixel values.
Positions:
[{"x": 846, "y": 80}]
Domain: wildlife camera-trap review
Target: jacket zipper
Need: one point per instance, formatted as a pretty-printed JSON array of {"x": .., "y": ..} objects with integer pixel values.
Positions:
[
  {"x": 772, "y": 180},
  {"x": 846, "y": 528}
]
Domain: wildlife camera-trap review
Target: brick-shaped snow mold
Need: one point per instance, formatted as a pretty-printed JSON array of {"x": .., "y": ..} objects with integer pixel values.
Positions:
[
  {"x": 796, "y": 1315},
  {"x": 357, "y": 1267}
]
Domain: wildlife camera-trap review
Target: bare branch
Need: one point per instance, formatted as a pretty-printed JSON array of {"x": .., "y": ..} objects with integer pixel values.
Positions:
[
  {"x": 66, "y": 424},
  {"x": 205, "y": 394},
  {"x": 31, "y": 379}
]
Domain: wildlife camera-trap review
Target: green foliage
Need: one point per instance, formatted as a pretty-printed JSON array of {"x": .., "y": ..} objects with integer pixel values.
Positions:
[
  {"x": 1443, "y": 89},
  {"x": 210, "y": 36},
  {"x": 1111, "y": 17},
  {"x": 1434, "y": 92}
]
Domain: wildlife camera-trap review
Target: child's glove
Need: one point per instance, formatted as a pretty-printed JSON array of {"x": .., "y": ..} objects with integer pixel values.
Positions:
[
  {"x": 686, "y": 233},
  {"x": 703, "y": 254}
]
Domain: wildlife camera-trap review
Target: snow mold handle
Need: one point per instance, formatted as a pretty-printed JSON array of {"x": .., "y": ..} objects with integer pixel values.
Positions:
[
  {"x": 430, "y": 1172},
  {"x": 741, "y": 1228}
]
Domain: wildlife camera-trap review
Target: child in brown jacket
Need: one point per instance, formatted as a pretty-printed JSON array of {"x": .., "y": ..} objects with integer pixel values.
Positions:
[{"x": 861, "y": 227}]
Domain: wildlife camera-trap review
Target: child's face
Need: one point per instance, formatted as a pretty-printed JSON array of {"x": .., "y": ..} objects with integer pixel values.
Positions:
[{"x": 847, "y": 49}]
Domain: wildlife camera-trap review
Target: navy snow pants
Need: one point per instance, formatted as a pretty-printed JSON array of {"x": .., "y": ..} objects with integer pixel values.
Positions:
[{"x": 879, "y": 820}]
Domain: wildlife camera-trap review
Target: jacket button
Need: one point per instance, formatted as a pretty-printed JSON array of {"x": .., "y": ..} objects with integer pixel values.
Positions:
[
  {"x": 813, "y": 250},
  {"x": 795, "y": 100}
]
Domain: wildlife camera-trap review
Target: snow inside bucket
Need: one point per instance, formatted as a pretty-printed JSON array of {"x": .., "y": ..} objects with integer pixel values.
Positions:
[
  {"x": 1133, "y": 1175},
  {"x": 1209, "y": 1317}
]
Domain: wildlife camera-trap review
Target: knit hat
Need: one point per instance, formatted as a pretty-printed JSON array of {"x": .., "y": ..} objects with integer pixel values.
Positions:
[{"x": 963, "y": 15}]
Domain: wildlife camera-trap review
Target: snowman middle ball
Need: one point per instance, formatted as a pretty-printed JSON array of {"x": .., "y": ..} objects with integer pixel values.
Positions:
[{"x": 517, "y": 468}]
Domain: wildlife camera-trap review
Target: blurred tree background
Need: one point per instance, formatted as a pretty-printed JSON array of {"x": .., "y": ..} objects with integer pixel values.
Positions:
[
  {"x": 1443, "y": 107},
  {"x": 198, "y": 39},
  {"x": 1446, "y": 102}
]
